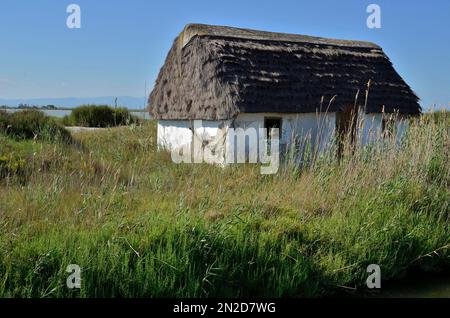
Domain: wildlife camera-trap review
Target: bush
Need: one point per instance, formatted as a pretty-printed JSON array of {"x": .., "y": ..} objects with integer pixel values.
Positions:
[
  {"x": 10, "y": 164},
  {"x": 99, "y": 116},
  {"x": 32, "y": 124}
]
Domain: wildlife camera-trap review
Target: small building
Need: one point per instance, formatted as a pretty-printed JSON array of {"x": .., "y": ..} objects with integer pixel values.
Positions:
[{"x": 308, "y": 87}]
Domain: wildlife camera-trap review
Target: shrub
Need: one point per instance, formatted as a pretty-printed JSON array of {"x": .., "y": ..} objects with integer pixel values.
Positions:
[
  {"x": 99, "y": 116},
  {"x": 10, "y": 164},
  {"x": 32, "y": 124}
]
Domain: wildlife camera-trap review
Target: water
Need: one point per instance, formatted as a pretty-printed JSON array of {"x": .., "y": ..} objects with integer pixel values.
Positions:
[
  {"x": 419, "y": 286},
  {"x": 415, "y": 285},
  {"x": 63, "y": 112}
]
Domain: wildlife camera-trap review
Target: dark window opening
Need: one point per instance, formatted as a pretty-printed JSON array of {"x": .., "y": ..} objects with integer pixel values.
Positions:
[{"x": 271, "y": 122}]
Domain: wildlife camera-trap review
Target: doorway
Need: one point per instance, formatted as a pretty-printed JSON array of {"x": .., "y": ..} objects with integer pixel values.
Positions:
[{"x": 346, "y": 122}]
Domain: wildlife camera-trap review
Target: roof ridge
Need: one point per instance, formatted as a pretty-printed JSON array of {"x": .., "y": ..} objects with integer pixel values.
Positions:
[{"x": 196, "y": 29}]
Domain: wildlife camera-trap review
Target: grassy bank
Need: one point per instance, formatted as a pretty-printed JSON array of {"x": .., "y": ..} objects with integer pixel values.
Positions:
[{"x": 139, "y": 225}]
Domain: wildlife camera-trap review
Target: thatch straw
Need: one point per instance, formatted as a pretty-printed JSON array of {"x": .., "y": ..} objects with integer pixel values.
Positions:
[{"x": 214, "y": 73}]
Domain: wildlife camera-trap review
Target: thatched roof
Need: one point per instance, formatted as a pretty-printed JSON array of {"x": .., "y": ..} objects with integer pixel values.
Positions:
[{"x": 214, "y": 73}]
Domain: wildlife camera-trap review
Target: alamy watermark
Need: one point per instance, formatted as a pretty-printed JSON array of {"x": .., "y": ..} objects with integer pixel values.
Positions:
[
  {"x": 74, "y": 279},
  {"x": 232, "y": 146},
  {"x": 374, "y": 279},
  {"x": 374, "y": 19},
  {"x": 74, "y": 19}
]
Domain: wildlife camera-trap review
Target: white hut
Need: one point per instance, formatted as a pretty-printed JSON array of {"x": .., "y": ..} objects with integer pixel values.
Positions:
[{"x": 308, "y": 87}]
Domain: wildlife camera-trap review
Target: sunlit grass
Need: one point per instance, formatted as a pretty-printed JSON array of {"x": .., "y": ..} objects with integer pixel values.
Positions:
[{"x": 142, "y": 226}]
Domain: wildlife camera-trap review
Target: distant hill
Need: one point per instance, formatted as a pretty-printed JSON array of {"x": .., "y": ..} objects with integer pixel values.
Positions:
[{"x": 123, "y": 101}]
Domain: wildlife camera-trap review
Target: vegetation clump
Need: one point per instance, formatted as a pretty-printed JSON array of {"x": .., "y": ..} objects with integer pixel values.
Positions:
[
  {"x": 32, "y": 124},
  {"x": 99, "y": 116},
  {"x": 10, "y": 162}
]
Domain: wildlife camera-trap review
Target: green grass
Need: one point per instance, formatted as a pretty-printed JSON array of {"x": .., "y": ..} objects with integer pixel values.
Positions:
[{"x": 142, "y": 226}]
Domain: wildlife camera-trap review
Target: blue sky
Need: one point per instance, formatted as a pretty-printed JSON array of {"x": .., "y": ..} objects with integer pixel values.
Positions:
[{"x": 122, "y": 44}]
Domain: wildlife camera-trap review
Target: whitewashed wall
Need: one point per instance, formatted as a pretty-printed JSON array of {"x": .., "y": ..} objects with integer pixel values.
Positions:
[
  {"x": 371, "y": 128},
  {"x": 299, "y": 128},
  {"x": 303, "y": 128},
  {"x": 175, "y": 134}
]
